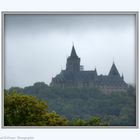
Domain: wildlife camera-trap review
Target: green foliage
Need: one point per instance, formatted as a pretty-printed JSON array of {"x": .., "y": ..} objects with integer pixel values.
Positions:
[
  {"x": 24, "y": 110},
  {"x": 77, "y": 122},
  {"x": 94, "y": 121},
  {"x": 53, "y": 119},
  {"x": 83, "y": 103}
]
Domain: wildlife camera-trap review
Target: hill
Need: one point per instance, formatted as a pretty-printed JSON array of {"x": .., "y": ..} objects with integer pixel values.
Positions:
[{"x": 117, "y": 108}]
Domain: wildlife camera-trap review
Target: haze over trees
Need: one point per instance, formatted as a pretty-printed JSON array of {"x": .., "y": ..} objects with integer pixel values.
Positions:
[
  {"x": 80, "y": 105},
  {"x": 25, "y": 110}
]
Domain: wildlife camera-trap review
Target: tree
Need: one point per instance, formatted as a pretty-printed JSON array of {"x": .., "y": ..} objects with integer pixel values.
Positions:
[
  {"x": 96, "y": 121},
  {"x": 24, "y": 110},
  {"x": 77, "y": 122}
]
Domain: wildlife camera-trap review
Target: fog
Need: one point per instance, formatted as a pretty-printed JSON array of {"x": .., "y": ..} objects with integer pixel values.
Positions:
[{"x": 37, "y": 46}]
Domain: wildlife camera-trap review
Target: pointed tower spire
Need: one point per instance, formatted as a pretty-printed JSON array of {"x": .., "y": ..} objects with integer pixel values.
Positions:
[
  {"x": 113, "y": 71},
  {"x": 95, "y": 71},
  {"x": 122, "y": 76},
  {"x": 73, "y": 61},
  {"x": 73, "y": 52}
]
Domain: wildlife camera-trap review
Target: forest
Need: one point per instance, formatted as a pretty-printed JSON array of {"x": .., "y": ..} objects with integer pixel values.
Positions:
[{"x": 74, "y": 106}]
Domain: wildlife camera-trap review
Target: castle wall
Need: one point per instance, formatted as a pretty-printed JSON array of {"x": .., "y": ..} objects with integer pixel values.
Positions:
[
  {"x": 103, "y": 88},
  {"x": 73, "y": 77},
  {"x": 109, "y": 89}
]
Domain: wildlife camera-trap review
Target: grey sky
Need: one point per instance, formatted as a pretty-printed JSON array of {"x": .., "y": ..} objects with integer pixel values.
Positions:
[{"x": 36, "y": 46}]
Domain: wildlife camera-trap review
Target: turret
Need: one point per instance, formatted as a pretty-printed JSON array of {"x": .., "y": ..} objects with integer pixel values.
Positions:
[
  {"x": 73, "y": 61},
  {"x": 122, "y": 77},
  {"x": 73, "y": 53},
  {"x": 95, "y": 71},
  {"x": 114, "y": 71}
]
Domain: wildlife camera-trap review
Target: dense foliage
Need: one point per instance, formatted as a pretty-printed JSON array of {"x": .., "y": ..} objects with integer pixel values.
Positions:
[
  {"x": 24, "y": 110},
  {"x": 81, "y": 104}
]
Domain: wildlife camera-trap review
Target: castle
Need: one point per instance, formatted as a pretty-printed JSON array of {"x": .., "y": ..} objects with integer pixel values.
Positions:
[{"x": 75, "y": 76}]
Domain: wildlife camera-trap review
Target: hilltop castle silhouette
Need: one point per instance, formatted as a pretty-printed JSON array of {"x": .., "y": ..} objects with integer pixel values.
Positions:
[{"x": 75, "y": 76}]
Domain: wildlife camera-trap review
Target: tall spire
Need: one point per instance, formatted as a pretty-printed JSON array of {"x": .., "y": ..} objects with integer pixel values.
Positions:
[
  {"x": 122, "y": 76},
  {"x": 114, "y": 71},
  {"x": 73, "y": 52},
  {"x": 95, "y": 71},
  {"x": 73, "y": 61}
]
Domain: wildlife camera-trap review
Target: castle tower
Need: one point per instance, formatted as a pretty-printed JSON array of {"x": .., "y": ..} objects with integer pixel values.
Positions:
[
  {"x": 114, "y": 71},
  {"x": 122, "y": 77},
  {"x": 73, "y": 61}
]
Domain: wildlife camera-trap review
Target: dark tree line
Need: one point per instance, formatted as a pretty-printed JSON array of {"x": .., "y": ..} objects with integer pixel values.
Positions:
[
  {"x": 81, "y": 104},
  {"x": 25, "y": 110}
]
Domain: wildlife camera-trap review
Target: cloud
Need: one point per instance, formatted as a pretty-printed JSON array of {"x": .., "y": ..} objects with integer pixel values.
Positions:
[{"x": 36, "y": 46}]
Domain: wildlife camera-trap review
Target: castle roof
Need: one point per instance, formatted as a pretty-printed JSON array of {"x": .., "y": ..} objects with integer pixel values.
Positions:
[
  {"x": 78, "y": 76},
  {"x": 73, "y": 75},
  {"x": 90, "y": 76},
  {"x": 113, "y": 70},
  {"x": 112, "y": 80},
  {"x": 73, "y": 52}
]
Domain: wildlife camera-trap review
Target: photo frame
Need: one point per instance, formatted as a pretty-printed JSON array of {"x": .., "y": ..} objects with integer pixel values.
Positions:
[{"x": 78, "y": 13}]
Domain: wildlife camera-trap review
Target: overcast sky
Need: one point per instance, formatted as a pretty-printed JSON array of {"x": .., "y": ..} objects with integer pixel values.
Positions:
[{"x": 36, "y": 46}]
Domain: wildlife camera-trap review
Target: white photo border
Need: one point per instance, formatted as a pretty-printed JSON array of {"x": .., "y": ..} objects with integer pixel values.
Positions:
[{"x": 136, "y": 13}]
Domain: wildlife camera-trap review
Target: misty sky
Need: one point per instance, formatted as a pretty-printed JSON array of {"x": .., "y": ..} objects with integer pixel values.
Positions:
[{"x": 36, "y": 46}]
